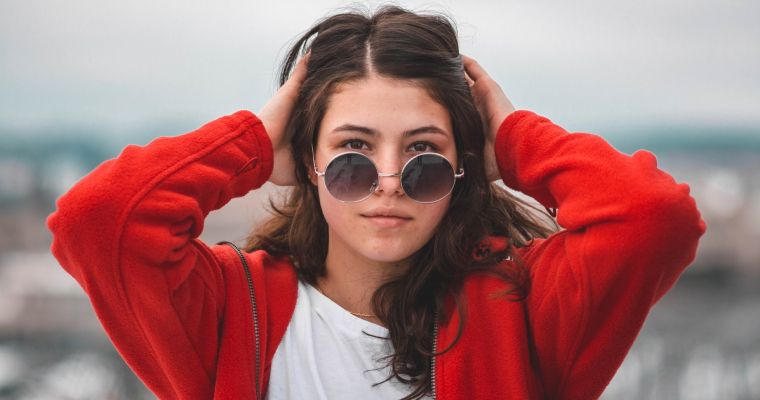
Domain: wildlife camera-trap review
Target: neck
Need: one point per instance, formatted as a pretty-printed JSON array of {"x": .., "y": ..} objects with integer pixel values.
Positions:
[{"x": 352, "y": 279}]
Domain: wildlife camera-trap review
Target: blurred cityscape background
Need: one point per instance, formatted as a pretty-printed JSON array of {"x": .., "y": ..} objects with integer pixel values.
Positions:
[{"x": 79, "y": 81}]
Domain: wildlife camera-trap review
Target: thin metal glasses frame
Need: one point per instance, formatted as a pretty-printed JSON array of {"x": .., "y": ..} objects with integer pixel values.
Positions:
[{"x": 458, "y": 174}]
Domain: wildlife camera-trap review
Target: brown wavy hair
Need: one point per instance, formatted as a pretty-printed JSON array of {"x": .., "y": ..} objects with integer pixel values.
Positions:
[{"x": 404, "y": 45}]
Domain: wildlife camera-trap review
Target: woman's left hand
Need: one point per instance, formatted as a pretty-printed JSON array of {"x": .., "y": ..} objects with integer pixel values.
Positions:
[{"x": 493, "y": 105}]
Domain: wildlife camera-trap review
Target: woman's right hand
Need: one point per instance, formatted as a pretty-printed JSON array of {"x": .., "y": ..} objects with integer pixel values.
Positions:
[{"x": 275, "y": 116}]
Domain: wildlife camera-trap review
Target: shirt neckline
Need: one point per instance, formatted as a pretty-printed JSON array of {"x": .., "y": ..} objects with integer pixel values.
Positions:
[{"x": 337, "y": 314}]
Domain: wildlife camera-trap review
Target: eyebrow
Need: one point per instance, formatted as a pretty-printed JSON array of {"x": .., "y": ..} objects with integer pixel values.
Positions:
[{"x": 372, "y": 132}]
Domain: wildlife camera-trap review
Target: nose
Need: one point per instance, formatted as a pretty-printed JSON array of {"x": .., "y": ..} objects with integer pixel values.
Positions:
[{"x": 389, "y": 178}]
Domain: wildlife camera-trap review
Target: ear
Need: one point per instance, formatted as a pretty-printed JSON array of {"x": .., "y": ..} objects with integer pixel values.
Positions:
[
  {"x": 310, "y": 171},
  {"x": 312, "y": 176}
]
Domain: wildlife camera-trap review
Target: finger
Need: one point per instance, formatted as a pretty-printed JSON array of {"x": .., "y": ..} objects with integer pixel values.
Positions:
[
  {"x": 299, "y": 72},
  {"x": 473, "y": 69},
  {"x": 469, "y": 80}
]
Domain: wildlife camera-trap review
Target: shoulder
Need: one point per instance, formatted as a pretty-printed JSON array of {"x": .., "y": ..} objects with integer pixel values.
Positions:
[
  {"x": 260, "y": 263},
  {"x": 258, "y": 274},
  {"x": 511, "y": 277}
]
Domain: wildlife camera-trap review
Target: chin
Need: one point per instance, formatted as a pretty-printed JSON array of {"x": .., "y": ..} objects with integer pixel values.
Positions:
[{"x": 389, "y": 250}]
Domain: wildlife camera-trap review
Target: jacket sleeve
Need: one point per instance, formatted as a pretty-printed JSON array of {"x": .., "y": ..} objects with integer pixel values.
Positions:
[
  {"x": 128, "y": 233},
  {"x": 629, "y": 232}
]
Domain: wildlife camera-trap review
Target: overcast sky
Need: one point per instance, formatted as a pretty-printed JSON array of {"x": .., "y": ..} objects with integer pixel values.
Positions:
[{"x": 589, "y": 66}]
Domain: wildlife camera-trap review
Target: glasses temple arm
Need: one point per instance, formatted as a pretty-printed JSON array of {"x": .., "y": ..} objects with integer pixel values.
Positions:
[{"x": 314, "y": 161}]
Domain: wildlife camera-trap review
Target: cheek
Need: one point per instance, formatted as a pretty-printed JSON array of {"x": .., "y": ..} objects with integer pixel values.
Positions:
[
  {"x": 338, "y": 214},
  {"x": 430, "y": 216}
]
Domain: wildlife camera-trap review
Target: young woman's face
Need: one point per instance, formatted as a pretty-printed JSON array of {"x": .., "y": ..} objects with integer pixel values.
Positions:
[{"x": 388, "y": 108}]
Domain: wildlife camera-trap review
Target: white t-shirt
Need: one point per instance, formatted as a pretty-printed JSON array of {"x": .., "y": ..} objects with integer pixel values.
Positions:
[{"x": 324, "y": 355}]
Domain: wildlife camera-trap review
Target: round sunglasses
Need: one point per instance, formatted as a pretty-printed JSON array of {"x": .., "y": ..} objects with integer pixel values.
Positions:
[{"x": 425, "y": 178}]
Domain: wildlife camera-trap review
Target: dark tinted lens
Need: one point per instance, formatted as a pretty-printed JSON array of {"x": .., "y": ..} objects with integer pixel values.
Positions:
[
  {"x": 428, "y": 178},
  {"x": 350, "y": 177}
]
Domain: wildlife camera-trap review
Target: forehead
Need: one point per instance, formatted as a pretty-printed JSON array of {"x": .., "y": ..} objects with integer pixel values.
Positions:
[{"x": 389, "y": 106}]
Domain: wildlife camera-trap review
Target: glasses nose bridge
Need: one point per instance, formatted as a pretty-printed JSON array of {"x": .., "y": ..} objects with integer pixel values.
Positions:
[
  {"x": 388, "y": 174},
  {"x": 389, "y": 182}
]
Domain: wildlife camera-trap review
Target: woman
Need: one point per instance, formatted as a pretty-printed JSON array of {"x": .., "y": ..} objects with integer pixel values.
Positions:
[{"x": 395, "y": 267}]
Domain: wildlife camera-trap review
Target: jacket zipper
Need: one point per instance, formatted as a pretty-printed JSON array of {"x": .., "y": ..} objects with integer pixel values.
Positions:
[
  {"x": 254, "y": 311},
  {"x": 432, "y": 358}
]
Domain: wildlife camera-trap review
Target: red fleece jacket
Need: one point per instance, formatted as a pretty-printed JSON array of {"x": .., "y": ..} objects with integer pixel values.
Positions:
[{"x": 179, "y": 313}]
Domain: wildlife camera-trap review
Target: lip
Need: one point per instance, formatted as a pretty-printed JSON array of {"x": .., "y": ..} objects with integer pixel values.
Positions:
[
  {"x": 386, "y": 212},
  {"x": 387, "y": 217},
  {"x": 387, "y": 222}
]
